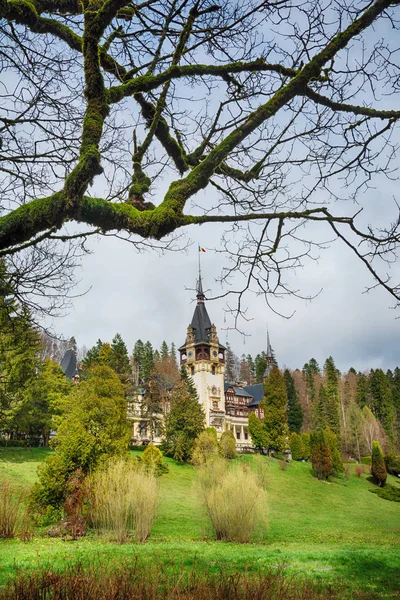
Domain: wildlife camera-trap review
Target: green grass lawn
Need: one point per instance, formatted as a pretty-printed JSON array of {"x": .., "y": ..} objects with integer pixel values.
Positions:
[{"x": 330, "y": 532}]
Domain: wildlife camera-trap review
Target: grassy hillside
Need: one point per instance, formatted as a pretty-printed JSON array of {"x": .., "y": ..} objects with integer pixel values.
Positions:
[{"x": 331, "y": 532}]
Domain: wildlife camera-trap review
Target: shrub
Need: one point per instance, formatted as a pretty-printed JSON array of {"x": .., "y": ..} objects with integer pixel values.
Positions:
[
  {"x": 227, "y": 445},
  {"x": 152, "y": 459},
  {"x": 305, "y": 438},
  {"x": 378, "y": 468},
  {"x": 13, "y": 443},
  {"x": 296, "y": 446},
  {"x": 124, "y": 500},
  {"x": 392, "y": 464},
  {"x": 10, "y": 508},
  {"x": 389, "y": 492},
  {"x": 261, "y": 465},
  {"x": 283, "y": 465},
  {"x": 205, "y": 447},
  {"x": 235, "y": 500},
  {"x": 359, "y": 470}
]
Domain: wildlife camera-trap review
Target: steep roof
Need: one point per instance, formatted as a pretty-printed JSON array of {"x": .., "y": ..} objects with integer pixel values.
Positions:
[
  {"x": 238, "y": 391},
  {"x": 69, "y": 365},
  {"x": 257, "y": 392},
  {"x": 201, "y": 324}
]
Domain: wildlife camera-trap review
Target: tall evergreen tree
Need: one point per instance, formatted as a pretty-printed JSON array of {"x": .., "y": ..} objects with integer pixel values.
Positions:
[
  {"x": 173, "y": 353},
  {"x": 185, "y": 420},
  {"x": 92, "y": 357},
  {"x": 19, "y": 348},
  {"x": 164, "y": 350},
  {"x": 321, "y": 456},
  {"x": 332, "y": 396},
  {"x": 260, "y": 364},
  {"x": 294, "y": 408},
  {"x": 318, "y": 415},
  {"x": 362, "y": 390},
  {"x": 274, "y": 405},
  {"x": 310, "y": 371},
  {"x": 119, "y": 359},
  {"x": 382, "y": 401}
]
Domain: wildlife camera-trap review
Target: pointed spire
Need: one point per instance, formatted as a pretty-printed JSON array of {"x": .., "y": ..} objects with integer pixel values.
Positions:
[
  {"x": 200, "y": 293},
  {"x": 269, "y": 349}
]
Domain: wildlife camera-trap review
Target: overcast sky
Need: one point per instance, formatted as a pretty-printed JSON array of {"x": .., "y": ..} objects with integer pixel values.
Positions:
[{"x": 146, "y": 296}]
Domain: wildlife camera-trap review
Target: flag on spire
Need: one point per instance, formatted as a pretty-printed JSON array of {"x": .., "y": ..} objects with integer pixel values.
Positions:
[{"x": 201, "y": 249}]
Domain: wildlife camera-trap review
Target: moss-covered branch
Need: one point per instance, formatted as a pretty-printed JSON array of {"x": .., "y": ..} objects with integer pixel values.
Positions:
[
  {"x": 351, "y": 108},
  {"x": 147, "y": 83}
]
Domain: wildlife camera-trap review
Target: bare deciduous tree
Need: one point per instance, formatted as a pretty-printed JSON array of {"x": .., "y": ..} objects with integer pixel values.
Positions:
[{"x": 277, "y": 107}]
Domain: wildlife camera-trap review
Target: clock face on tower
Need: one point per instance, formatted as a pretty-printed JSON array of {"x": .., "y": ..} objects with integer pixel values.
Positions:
[
  {"x": 213, "y": 390},
  {"x": 215, "y": 353},
  {"x": 190, "y": 353}
]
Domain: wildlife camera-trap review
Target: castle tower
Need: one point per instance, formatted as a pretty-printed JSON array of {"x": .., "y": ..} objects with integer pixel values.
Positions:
[{"x": 204, "y": 358}]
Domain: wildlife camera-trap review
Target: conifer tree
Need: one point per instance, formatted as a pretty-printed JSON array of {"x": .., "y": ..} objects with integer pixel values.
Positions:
[
  {"x": 19, "y": 348},
  {"x": 92, "y": 356},
  {"x": 257, "y": 432},
  {"x": 275, "y": 417},
  {"x": 294, "y": 408},
  {"x": 362, "y": 390},
  {"x": 164, "y": 351},
  {"x": 332, "y": 414},
  {"x": 296, "y": 446},
  {"x": 378, "y": 467},
  {"x": 173, "y": 353},
  {"x": 119, "y": 359},
  {"x": 260, "y": 364},
  {"x": 185, "y": 420},
  {"x": 305, "y": 438},
  {"x": 318, "y": 415},
  {"x": 337, "y": 465},
  {"x": 310, "y": 371},
  {"x": 321, "y": 457},
  {"x": 382, "y": 402}
]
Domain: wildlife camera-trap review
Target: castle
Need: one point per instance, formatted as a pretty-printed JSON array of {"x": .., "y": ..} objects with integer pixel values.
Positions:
[{"x": 226, "y": 405}]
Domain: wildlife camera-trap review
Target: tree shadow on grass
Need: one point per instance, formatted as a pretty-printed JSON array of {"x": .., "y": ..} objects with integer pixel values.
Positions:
[
  {"x": 380, "y": 572},
  {"x": 21, "y": 455}
]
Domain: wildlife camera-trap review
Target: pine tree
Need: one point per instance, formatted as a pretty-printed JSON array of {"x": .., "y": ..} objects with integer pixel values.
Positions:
[
  {"x": 378, "y": 467},
  {"x": 119, "y": 359},
  {"x": 173, "y": 353},
  {"x": 260, "y": 364},
  {"x": 362, "y": 390},
  {"x": 382, "y": 402},
  {"x": 332, "y": 414},
  {"x": 294, "y": 408},
  {"x": 319, "y": 420},
  {"x": 92, "y": 357},
  {"x": 275, "y": 417},
  {"x": 164, "y": 351},
  {"x": 185, "y": 420}
]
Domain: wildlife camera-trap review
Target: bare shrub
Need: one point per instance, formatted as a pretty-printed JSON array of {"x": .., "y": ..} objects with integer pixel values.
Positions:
[
  {"x": 124, "y": 500},
  {"x": 10, "y": 509},
  {"x": 141, "y": 582},
  {"x": 359, "y": 470},
  {"x": 261, "y": 467},
  {"x": 283, "y": 465},
  {"x": 235, "y": 500}
]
